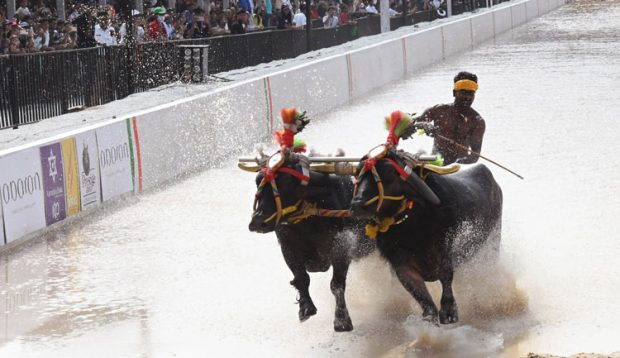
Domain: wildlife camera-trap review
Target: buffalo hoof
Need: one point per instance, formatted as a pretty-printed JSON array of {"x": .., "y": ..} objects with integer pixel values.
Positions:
[
  {"x": 343, "y": 324},
  {"x": 306, "y": 310},
  {"x": 431, "y": 317},
  {"x": 449, "y": 314}
]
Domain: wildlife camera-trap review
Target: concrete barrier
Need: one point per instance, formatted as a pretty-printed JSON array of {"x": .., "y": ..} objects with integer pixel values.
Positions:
[
  {"x": 457, "y": 37},
  {"x": 519, "y": 14},
  {"x": 47, "y": 181},
  {"x": 322, "y": 84},
  {"x": 424, "y": 49},
  {"x": 482, "y": 28},
  {"x": 375, "y": 66},
  {"x": 502, "y": 18},
  {"x": 543, "y": 7},
  {"x": 531, "y": 9}
]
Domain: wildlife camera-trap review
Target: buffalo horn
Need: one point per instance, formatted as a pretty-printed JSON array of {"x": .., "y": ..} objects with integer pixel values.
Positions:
[{"x": 423, "y": 189}]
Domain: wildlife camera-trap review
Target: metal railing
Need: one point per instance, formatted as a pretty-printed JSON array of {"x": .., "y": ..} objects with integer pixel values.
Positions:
[{"x": 36, "y": 86}]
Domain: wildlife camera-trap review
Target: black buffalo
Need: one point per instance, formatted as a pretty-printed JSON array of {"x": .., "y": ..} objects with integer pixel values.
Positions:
[
  {"x": 315, "y": 243},
  {"x": 430, "y": 235}
]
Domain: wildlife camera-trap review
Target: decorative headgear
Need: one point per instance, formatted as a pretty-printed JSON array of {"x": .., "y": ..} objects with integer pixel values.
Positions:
[
  {"x": 396, "y": 123},
  {"x": 467, "y": 85},
  {"x": 293, "y": 122}
]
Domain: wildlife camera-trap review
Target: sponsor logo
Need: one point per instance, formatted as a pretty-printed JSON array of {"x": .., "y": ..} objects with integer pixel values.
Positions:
[
  {"x": 56, "y": 210},
  {"x": 17, "y": 189},
  {"x": 85, "y": 159},
  {"x": 51, "y": 160},
  {"x": 111, "y": 156}
]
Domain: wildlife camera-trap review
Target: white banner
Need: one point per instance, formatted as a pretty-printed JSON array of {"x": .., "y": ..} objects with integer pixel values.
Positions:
[
  {"x": 115, "y": 162},
  {"x": 88, "y": 169},
  {"x": 21, "y": 183}
]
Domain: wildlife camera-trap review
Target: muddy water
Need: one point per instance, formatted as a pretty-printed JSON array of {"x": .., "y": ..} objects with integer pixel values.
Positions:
[{"x": 176, "y": 272}]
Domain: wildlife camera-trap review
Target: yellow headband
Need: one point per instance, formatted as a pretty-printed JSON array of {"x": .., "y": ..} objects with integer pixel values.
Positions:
[{"x": 467, "y": 85}]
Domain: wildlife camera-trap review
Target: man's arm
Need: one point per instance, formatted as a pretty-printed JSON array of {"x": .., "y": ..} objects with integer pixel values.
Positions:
[
  {"x": 475, "y": 143},
  {"x": 425, "y": 117}
]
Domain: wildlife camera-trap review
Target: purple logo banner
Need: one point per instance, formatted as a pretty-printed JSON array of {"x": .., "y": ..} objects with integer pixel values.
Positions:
[{"x": 53, "y": 183}]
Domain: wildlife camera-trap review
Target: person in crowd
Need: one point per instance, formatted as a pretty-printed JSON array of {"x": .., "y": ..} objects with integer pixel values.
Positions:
[
  {"x": 43, "y": 38},
  {"x": 15, "y": 45},
  {"x": 285, "y": 20},
  {"x": 343, "y": 18},
  {"x": 314, "y": 14},
  {"x": 330, "y": 20},
  {"x": 322, "y": 9},
  {"x": 169, "y": 26},
  {"x": 392, "y": 11},
  {"x": 286, "y": 3},
  {"x": 22, "y": 11},
  {"x": 268, "y": 12},
  {"x": 213, "y": 19},
  {"x": 259, "y": 17},
  {"x": 156, "y": 30},
  {"x": 70, "y": 39},
  {"x": 239, "y": 27},
  {"x": 180, "y": 28},
  {"x": 200, "y": 27},
  {"x": 275, "y": 18},
  {"x": 138, "y": 28},
  {"x": 299, "y": 20},
  {"x": 85, "y": 23},
  {"x": 56, "y": 32},
  {"x": 454, "y": 123},
  {"x": 370, "y": 8},
  {"x": 104, "y": 33}
]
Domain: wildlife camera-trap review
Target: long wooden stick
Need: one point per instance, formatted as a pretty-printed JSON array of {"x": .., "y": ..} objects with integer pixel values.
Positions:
[{"x": 479, "y": 155}]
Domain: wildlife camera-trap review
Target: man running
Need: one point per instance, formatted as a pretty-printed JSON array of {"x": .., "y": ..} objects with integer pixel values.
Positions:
[{"x": 457, "y": 122}]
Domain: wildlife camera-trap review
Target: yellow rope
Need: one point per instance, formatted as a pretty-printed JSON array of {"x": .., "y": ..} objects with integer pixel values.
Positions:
[{"x": 384, "y": 224}]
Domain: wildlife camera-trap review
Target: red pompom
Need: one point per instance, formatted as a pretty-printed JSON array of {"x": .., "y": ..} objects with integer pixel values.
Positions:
[
  {"x": 285, "y": 137},
  {"x": 288, "y": 115}
]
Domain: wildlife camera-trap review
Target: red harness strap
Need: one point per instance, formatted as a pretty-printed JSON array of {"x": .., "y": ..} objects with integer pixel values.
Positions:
[
  {"x": 295, "y": 173},
  {"x": 399, "y": 169},
  {"x": 271, "y": 175}
]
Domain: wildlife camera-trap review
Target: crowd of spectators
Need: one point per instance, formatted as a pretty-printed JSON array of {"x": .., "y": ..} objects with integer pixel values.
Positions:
[{"x": 36, "y": 26}]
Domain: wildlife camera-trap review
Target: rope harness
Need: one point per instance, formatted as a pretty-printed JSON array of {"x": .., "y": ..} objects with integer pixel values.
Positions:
[
  {"x": 303, "y": 208},
  {"x": 384, "y": 224}
]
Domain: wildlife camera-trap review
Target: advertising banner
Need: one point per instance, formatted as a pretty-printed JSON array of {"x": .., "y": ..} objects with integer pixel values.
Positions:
[
  {"x": 88, "y": 170},
  {"x": 53, "y": 175},
  {"x": 115, "y": 160},
  {"x": 72, "y": 181},
  {"x": 21, "y": 181}
]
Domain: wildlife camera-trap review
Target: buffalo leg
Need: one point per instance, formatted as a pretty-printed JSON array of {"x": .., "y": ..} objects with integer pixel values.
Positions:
[
  {"x": 301, "y": 281},
  {"x": 449, "y": 311},
  {"x": 342, "y": 320},
  {"x": 413, "y": 282}
]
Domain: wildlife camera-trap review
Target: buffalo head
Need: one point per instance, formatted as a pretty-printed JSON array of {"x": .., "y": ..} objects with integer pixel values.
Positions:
[
  {"x": 282, "y": 186},
  {"x": 384, "y": 183}
]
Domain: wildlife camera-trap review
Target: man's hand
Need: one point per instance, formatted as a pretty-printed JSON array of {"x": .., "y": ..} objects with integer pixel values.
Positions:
[{"x": 428, "y": 127}]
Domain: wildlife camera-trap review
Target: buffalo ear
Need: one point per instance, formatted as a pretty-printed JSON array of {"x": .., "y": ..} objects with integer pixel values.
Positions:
[{"x": 318, "y": 179}]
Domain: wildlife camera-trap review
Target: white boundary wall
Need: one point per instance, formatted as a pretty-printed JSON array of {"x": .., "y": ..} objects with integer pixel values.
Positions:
[{"x": 151, "y": 147}]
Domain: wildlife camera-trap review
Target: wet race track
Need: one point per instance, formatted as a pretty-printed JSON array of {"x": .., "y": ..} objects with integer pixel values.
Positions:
[{"x": 176, "y": 272}]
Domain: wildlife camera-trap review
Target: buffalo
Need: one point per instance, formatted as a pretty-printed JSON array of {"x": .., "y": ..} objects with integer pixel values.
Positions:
[
  {"x": 427, "y": 224},
  {"x": 290, "y": 201}
]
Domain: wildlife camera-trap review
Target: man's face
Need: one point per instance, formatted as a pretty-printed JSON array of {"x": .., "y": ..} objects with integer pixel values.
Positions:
[{"x": 464, "y": 98}]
